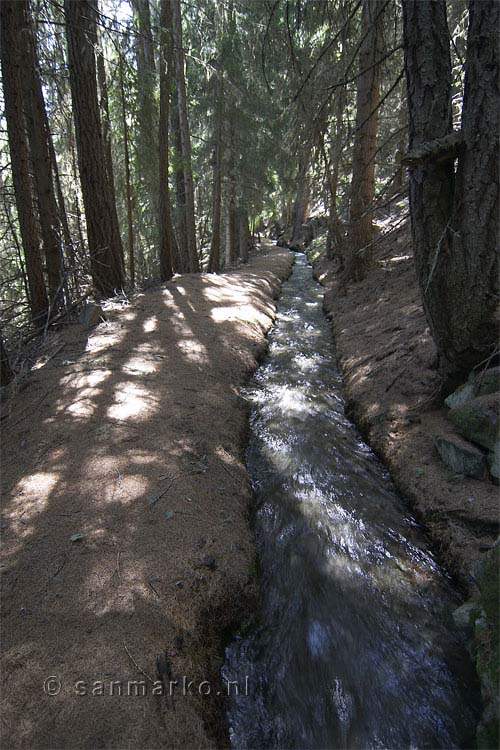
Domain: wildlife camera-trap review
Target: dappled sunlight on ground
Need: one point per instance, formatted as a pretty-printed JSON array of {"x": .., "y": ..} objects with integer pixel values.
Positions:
[{"x": 122, "y": 468}]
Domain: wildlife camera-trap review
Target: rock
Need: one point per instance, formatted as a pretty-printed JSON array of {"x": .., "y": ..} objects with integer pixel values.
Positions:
[
  {"x": 462, "y": 616},
  {"x": 91, "y": 315},
  {"x": 486, "y": 634},
  {"x": 478, "y": 384},
  {"x": 462, "y": 395},
  {"x": 478, "y": 420},
  {"x": 488, "y": 381},
  {"x": 461, "y": 457},
  {"x": 494, "y": 462},
  {"x": 208, "y": 562}
]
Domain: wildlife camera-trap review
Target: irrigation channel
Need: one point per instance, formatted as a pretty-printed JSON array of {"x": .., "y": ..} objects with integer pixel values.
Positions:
[{"x": 354, "y": 645}]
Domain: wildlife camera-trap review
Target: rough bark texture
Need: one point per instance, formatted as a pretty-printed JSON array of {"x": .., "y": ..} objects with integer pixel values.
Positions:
[
  {"x": 147, "y": 135},
  {"x": 128, "y": 185},
  {"x": 185, "y": 136},
  {"x": 365, "y": 140},
  {"x": 179, "y": 185},
  {"x": 301, "y": 199},
  {"x": 231, "y": 227},
  {"x": 106, "y": 120},
  {"x": 39, "y": 135},
  {"x": 5, "y": 369},
  {"x": 333, "y": 240},
  {"x": 11, "y": 25},
  {"x": 214, "y": 260},
  {"x": 455, "y": 221},
  {"x": 244, "y": 235},
  {"x": 474, "y": 267},
  {"x": 105, "y": 244},
  {"x": 166, "y": 243}
]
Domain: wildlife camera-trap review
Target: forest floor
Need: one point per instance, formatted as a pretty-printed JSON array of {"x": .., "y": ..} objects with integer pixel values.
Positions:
[
  {"x": 388, "y": 360},
  {"x": 125, "y": 520}
]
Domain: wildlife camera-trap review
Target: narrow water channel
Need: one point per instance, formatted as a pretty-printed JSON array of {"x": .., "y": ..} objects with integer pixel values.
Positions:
[{"x": 354, "y": 646}]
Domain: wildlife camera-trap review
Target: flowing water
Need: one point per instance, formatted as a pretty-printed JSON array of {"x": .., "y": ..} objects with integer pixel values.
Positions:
[{"x": 354, "y": 646}]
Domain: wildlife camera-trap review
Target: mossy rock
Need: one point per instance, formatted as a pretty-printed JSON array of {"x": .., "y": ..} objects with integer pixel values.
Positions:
[
  {"x": 487, "y": 648},
  {"x": 494, "y": 462},
  {"x": 478, "y": 420},
  {"x": 488, "y": 381},
  {"x": 460, "y": 456}
]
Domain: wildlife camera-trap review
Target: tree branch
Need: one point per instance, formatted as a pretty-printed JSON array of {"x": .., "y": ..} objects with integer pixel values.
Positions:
[{"x": 439, "y": 150}]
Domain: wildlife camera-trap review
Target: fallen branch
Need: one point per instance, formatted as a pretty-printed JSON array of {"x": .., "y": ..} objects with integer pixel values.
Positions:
[
  {"x": 136, "y": 665},
  {"x": 441, "y": 149}
]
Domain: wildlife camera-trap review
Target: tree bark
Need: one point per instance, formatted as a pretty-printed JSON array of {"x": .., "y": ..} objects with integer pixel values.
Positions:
[
  {"x": 244, "y": 235},
  {"x": 214, "y": 260},
  {"x": 128, "y": 184},
  {"x": 5, "y": 368},
  {"x": 167, "y": 238},
  {"x": 179, "y": 185},
  {"x": 474, "y": 267},
  {"x": 106, "y": 121},
  {"x": 11, "y": 27},
  {"x": 194, "y": 265},
  {"x": 301, "y": 204},
  {"x": 39, "y": 136},
  {"x": 231, "y": 245},
  {"x": 455, "y": 220},
  {"x": 105, "y": 245},
  {"x": 333, "y": 240},
  {"x": 147, "y": 121},
  {"x": 365, "y": 141}
]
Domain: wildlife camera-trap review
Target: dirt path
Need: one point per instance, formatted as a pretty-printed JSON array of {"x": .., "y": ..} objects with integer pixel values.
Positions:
[
  {"x": 388, "y": 360},
  {"x": 129, "y": 441}
]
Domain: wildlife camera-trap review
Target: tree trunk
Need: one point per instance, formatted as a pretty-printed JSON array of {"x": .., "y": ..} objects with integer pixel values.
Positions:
[
  {"x": 39, "y": 136},
  {"x": 11, "y": 27},
  {"x": 244, "y": 235},
  {"x": 455, "y": 221},
  {"x": 63, "y": 218},
  {"x": 214, "y": 260},
  {"x": 147, "y": 121},
  {"x": 333, "y": 240},
  {"x": 128, "y": 185},
  {"x": 474, "y": 267},
  {"x": 179, "y": 185},
  {"x": 301, "y": 205},
  {"x": 365, "y": 140},
  {"x": 231, "y": 245},
  {"x": 167, "y": 238},
  {"x": 105, "y": 246},
  {"x": 106, "y": 121},
  {"x": 185, "y": 136},
  {"x": 398, "y": 182},
  {"x": 5, "y": 369}
]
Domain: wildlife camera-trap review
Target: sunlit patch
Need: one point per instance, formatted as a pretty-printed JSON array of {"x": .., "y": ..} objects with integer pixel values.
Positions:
[
  {"x": 193, "y": 351},
  {"x": 111, "y": 337},
  {"x": 140, "y": 365},
  {"x": 95, "y": 377},
  {"x": 150, "y": 325},
  {"x": 31, "y": 495},
  {"x": 144, "y": 458},
  {"x": 237, "y": 312},
  {"x": 180, "y": 290},
  {"x": 40, "y": 483},
  {"x": 131, "y": 401},
  {"x": 83, "y": 407}
]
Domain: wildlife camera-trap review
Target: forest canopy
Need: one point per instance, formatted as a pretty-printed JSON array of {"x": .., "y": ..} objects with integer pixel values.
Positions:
[{"x": 143, "y": 138}]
